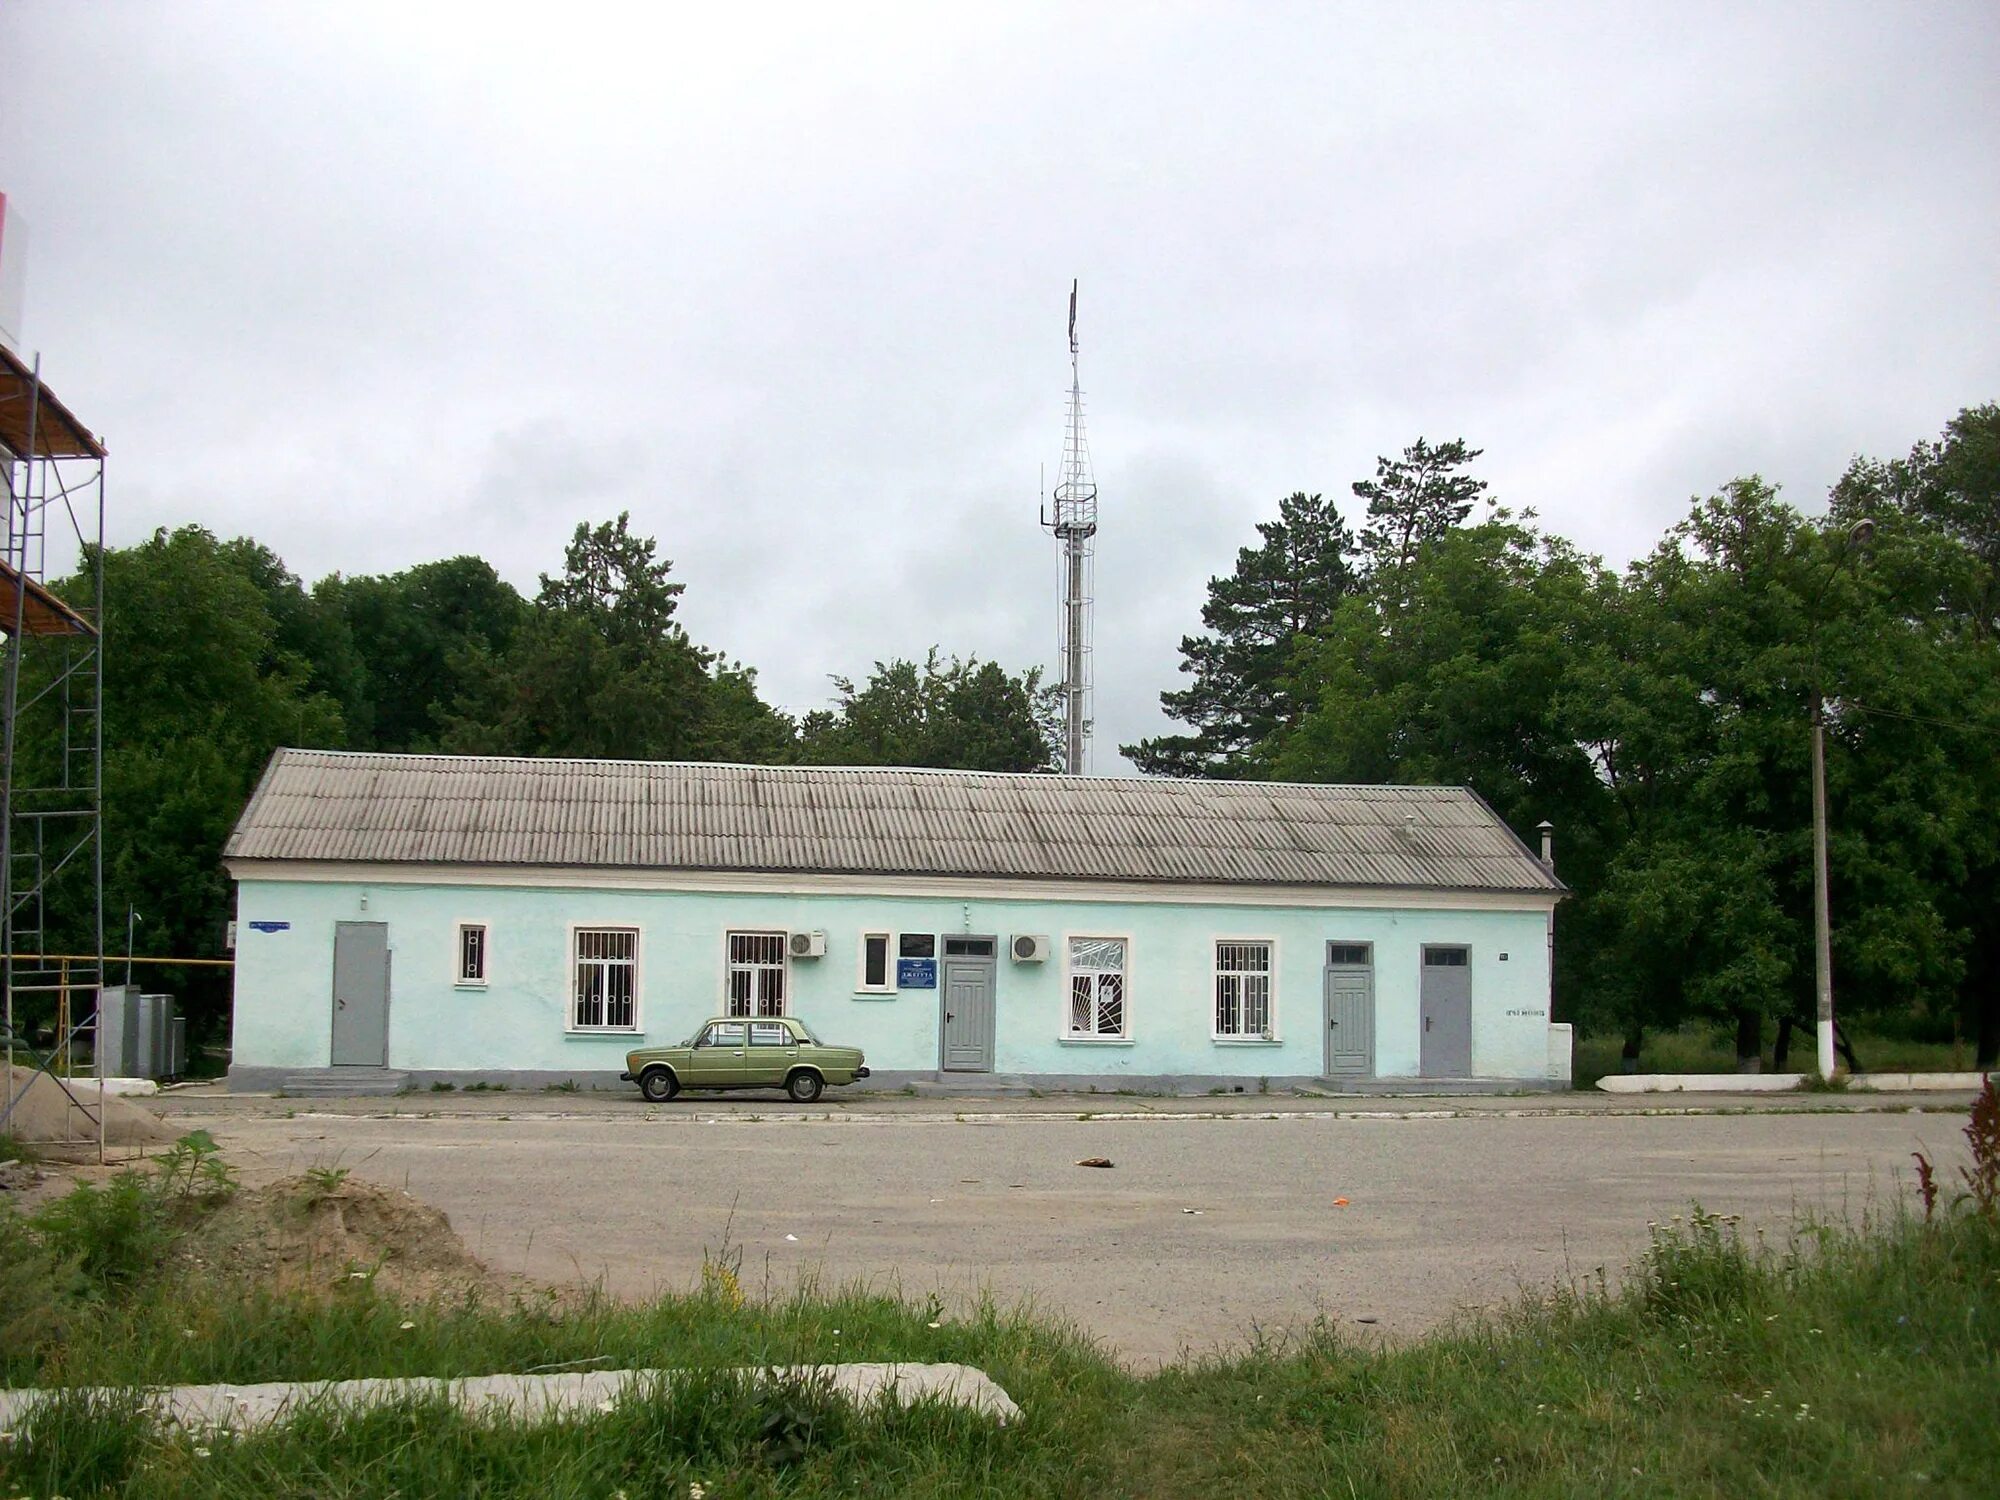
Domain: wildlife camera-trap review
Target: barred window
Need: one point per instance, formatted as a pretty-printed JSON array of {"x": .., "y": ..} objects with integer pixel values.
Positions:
[
  {"x": 756, "y": 974},
  {"x": 607, "y": 965},
  {"x": 471, "y": 953},
  {"x": 1097, "y": 987},
  {"x": 1242, "y": 989}
]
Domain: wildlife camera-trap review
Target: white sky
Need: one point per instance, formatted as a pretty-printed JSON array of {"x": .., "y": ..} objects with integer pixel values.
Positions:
[{"x": 378, "y": 283}]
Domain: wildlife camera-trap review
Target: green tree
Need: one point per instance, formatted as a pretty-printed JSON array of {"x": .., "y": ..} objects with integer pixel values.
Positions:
[
  {"x": 407, "y": 631},
  {"x": 600, "y": 668},
  {"x": 1939, "y": 510},
  {"x": 1743, "y": 611},
  {"x": 961, "y": 715},
  {"x": 1413, "y": 500},
  {"x": 1285, "y": 588}
]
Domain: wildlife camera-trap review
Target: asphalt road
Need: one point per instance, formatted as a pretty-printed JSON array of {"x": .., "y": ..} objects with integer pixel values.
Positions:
[{"x": 1440, "y": 1214}]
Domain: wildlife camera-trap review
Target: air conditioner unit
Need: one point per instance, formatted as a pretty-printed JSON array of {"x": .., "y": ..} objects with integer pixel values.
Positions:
[
  {"x": 1031, "y": 950},
  {"x": 807, "y": 945}
]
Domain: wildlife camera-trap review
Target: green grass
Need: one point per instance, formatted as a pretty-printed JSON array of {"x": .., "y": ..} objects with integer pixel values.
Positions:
[
  {"x": 1840, "y": 1362},
  {"x": 12, "y": 1149},
  {"x": 1705, "y": 1049}
]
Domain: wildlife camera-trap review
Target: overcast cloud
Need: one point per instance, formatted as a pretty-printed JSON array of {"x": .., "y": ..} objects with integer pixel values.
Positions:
[{"x": 378, "y": 283}]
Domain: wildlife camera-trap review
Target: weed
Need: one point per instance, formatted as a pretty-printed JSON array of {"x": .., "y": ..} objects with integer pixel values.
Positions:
[
  {"x": 1927, "y": 1187},
  {"x": 114, "y": 1235},
  {"x": 443, "y": 1087},
  {"x": 567, "y": 1086},
  {"x": 12, "y": 1149},
  {"x": 484, "y": 1087},
  {"x": 1982, "y": 1178},
  {"x": 323, "y": 1182},
  {"x": 1696, "y": 1267},
  {"x": 192, "y": 1171}
]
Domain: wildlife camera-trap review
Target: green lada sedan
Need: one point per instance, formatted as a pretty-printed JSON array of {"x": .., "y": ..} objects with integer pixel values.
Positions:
[{"x": 730, "y": 1052}]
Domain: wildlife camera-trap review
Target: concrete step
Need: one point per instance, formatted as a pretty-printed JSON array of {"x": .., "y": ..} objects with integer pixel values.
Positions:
[{"x": 345, "y": 1083}]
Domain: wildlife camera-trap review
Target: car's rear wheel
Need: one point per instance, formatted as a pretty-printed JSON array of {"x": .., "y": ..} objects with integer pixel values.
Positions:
[
  {"x": 804, "y": 1086},
  {"x": 659, "y": 1085}
]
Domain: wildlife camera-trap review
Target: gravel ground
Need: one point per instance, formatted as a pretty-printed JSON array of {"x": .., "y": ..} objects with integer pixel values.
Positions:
[{"x": 970, "y": 1196}]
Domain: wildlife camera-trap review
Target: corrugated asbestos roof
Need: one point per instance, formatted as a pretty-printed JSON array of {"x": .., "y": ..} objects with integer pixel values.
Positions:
[{"x": 448, "y": 809}]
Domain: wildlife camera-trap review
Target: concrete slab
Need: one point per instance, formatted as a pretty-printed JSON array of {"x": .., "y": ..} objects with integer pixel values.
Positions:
[{"x": 527, "y": 1399}]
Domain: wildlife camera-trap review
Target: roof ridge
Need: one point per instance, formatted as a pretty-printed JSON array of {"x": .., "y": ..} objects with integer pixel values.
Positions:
[{"x": 1054, "y": 778}]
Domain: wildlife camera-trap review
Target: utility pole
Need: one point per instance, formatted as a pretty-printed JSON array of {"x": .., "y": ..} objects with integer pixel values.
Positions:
[{"x": 1858, "y": 535}]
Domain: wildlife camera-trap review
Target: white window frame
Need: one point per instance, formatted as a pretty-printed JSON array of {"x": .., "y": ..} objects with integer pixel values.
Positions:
[
  {"x": 572, "y": 960},
  {"x": 1070, "y": 971},
  {"x": 458, "y": 932},
  {"x": 1217, "y": 974},
  {"x": 783, "y": 966},
  {"x": 888, "y": 984}
]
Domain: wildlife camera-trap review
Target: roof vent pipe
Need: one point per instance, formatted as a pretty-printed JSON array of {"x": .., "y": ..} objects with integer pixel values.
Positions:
[{"x": 1548, "y": 833}]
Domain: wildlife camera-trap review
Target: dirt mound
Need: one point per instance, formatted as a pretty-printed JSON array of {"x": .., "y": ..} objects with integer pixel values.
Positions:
[
  {"x": 306, "y": 1233},
  {"x": 44, "y": 1113}
]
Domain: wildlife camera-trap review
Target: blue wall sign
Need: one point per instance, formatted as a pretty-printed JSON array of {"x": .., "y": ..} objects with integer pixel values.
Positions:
[
  {"x": 270, "y": 926},
  {"x": 916, "y": 973}
]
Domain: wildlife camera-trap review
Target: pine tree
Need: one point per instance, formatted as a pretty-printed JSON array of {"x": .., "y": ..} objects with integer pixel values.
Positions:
[
  {"x": 1285, "y": 588},
  {"x": 1412, "y": 501}
]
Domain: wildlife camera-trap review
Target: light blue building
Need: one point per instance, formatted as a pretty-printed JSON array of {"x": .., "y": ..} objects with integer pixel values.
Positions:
[{"x": 412, "y": 918}]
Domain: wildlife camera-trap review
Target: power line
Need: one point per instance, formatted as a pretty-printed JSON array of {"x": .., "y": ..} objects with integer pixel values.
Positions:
[{"x": 1896, "y": 713}]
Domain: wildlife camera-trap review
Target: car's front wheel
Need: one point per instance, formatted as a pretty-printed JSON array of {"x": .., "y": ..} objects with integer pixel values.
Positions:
[
  {"x": 659, "y": 1085},
  {"x": 804, "y": 1086}
]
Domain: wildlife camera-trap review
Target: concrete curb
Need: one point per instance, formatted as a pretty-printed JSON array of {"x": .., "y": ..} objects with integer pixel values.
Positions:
[
  {"x": 1809, "y": 1104},
  {"x": 500, "y": 1398},
  {"x": 1778, "y": 1083}
]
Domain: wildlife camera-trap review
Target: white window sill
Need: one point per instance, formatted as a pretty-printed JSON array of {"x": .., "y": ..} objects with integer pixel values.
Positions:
[
  {"x": 1248, "y": 1041},
  {"x": 1096, "y": 1041},
  {"x": 468, "y": 984},
  {"x": 874, "y": 994},
  {"x": 592, "y": 1033}
]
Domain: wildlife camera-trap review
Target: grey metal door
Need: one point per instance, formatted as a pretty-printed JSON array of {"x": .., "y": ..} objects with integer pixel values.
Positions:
[
  {"x": 361, "y": 994},
  {"x": 1350, "y": 1011},
  {"x": 967, "y": 989},
  {"x": 1445, "y": 1000}
]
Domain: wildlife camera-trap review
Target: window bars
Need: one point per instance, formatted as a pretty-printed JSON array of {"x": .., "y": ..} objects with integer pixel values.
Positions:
[
  {"x": 607, "y": 962},
  {"x": 756, "y": 974},
  {"x": 1097, "y": 987},
  {"x": 1243, "y": 989}
]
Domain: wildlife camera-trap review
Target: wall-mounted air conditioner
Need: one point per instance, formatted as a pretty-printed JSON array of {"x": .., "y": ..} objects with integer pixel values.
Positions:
[
  {"x": 1030, "y": 949},
  {"x": 807, "y": 945}
]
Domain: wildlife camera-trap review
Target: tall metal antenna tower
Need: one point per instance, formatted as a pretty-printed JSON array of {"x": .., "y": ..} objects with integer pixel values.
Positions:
[{"x": 1074, "y": 522}]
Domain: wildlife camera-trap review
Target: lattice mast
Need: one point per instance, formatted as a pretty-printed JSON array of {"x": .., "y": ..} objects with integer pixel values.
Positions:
[{"x": 1072, "y": 516}]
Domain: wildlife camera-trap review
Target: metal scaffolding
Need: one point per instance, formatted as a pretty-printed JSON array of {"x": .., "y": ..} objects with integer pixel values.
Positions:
[{"x": 51, "y": 743}]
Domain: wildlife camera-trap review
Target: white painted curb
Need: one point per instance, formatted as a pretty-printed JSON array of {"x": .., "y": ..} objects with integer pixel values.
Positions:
[
  {"x": 1777, "y": 1083},
  {"x": 523, "y": 1398}
]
